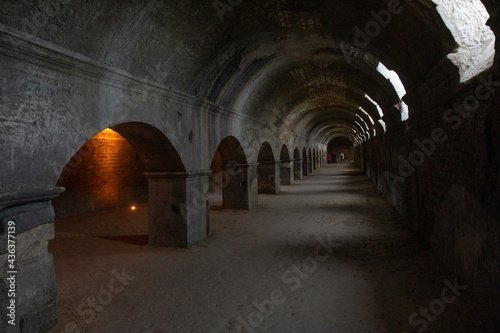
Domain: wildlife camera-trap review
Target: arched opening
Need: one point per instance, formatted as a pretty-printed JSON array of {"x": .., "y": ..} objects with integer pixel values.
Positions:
[
  {"x": 105, "y": 173},
  {"x": 232, "y": 180},
  {"x": 286, "y": 166},
  {"x": 125, "y": 188},
  {"x": 216, "y": 179},
  {"x": 341, "y": 145},
  {"x": 297, "y": 164},
  {"x": 305, "y": 163},
  {"x": 118, "y": 186},
  {"x": 315, "y": 159},
  {"x": 310, "y": 161},
  {"x": 268, "y": 171}
]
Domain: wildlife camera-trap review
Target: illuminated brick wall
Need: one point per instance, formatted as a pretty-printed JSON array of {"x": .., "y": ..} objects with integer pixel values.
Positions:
[{"x": 105, "y": 173}]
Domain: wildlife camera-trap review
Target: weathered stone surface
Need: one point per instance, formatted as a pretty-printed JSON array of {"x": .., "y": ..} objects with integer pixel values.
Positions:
[
  {"x": 297, "y": 169},
  {"x": 268, "y": 177},
  {"x": 36, "y": 299},
  {"x": 28, "y": 209},
  {"x": 476, "y": 42},
  {"x": 286, "y": 172},
  {"x": 241, "y": 191},
  {"x": 441, "y": 172},
  {"x": 183, "y": 82}
]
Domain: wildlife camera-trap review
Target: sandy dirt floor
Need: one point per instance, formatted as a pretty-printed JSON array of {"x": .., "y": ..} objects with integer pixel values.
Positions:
[{"x": 328, "y": 254}]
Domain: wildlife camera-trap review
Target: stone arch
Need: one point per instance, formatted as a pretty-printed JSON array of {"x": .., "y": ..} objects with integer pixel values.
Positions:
[
  {"x": 231, "y": 151},
  {"x": 165, "y": 174},
  {"x": 232, "y": 179},
  {"x": 216, "y": 181},
  {"x": 296, "y": 152},
  {"x": 305, "y": 163},
  {"x": 286, "y": 166},
  {"x": 310, "y": 161},
  {"x": 155, "y": 150},
  {"x": 315, "y": 159},
  {"x": 268, "y": 171},
  {"x": 284, "y": 154},
  {"x": 108, "y": 160},
  {"x": 297, "y": 164},
  {"x": 105, "y": 173}
]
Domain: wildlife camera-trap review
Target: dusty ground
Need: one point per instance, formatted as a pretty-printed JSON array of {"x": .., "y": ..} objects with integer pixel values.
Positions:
[{"x": 370, "y": 275}]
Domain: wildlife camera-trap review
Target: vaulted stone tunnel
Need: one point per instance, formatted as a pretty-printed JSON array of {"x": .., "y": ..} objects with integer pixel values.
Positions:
[{"x": 184, "y": 106}]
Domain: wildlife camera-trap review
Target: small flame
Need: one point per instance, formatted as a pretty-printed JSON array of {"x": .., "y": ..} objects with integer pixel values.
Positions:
[{"x": 133, "y": 207}]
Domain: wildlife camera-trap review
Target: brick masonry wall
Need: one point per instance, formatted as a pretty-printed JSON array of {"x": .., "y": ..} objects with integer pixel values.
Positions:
[
  {"x": 105, "y": 173},
  {"x": 451, "y": 196}
]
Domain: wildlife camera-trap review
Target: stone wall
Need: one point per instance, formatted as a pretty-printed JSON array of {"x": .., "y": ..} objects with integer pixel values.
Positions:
[
  {"x": 34, "y": 285},
  {"x": 444, "y": 177}
]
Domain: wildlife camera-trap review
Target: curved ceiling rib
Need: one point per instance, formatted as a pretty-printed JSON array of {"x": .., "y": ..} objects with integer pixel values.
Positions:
[{"x": 305, "y": 67}]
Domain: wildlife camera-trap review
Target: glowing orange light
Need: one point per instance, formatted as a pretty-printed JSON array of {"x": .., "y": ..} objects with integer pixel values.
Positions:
[{"x": 133, "y": 207}]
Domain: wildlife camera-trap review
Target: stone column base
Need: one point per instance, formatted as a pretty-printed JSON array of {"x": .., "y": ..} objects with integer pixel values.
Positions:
[
  {"x": 32, "y": 224},
  {"x": 241, "y": 189},
  {"x": 297, "y": 169},
  {"x": 178, "y": 209},
  {"x": 268, "y": 173},
  {"x": 286, "y": 172}
]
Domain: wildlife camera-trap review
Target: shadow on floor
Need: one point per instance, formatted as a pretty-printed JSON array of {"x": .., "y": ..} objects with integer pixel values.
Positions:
[{"x": 129, "y": 239}]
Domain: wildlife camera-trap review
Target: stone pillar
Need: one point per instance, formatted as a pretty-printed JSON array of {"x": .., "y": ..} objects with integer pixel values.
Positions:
[
  {"x": 315, "y": 163},
  {"x": 286, "y": 172},
  {"x": 297, "y": 169},
  {"x": 305, "y": 166},
  {"x": 268, "y": 173},
  {"x": 31, "y": 218},
  {"x": 178, "y": 209},
  {"x": 240, "y": 188},
  {"x": 310, "y": 164}
]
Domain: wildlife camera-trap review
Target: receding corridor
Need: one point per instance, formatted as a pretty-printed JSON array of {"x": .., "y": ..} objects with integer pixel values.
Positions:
[{"x": 332, "y": 254}]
